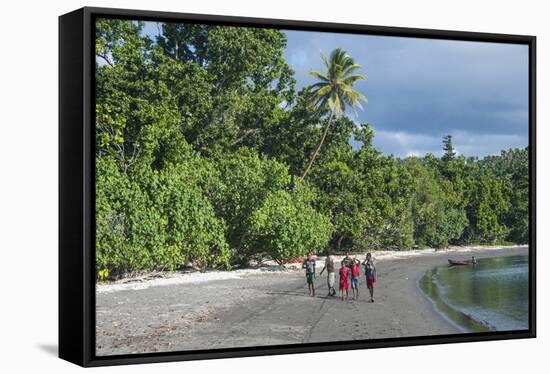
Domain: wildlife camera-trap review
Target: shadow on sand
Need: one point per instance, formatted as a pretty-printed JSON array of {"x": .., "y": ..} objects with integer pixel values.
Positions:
[{"x": 50, "y": 349}]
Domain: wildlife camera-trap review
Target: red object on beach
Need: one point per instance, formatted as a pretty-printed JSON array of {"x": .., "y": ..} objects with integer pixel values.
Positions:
[
  {"x": 355, "y": 270},
  {"x": 457, "y": 262}
]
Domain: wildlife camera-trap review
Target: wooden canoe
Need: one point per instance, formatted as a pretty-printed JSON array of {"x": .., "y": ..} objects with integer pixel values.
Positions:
[{"x": 458, "y": 262}]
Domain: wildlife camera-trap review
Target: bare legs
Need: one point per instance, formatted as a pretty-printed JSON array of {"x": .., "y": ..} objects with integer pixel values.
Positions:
[
  {"x": 355, "y": 290},
  {"x": 311, "y": 288}
]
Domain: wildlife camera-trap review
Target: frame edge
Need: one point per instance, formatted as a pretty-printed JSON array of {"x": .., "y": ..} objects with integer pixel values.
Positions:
[{"x": 71, "y": 255}]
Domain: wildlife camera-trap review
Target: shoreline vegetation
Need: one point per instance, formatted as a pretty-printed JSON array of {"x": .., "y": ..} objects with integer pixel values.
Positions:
[
  {"x": 207, "y": 155},
  {"x": 193, "y": 275}
]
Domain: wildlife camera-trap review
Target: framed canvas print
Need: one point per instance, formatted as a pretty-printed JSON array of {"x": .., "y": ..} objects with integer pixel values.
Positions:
[{"x": 235, "y": 186}]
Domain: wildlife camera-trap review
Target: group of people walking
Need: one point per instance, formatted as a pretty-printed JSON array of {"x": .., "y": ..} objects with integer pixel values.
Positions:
[{"x": 349, "y": 275}]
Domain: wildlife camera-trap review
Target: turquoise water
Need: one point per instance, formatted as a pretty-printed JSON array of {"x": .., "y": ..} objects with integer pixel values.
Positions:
[{"x": 492, "y": 296}]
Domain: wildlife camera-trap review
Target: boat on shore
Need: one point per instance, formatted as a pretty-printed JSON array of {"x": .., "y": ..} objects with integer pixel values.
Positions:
[{"x": 460, "y": 263}]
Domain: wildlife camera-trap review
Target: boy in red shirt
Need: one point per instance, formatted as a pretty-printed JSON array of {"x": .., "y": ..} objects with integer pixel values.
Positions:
[
  {"x": 355, "y": 271},
  {"x": 344, "y": 284}
]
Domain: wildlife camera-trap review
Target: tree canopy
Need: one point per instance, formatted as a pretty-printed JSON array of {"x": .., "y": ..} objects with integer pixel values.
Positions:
[{"x": 201, "y": 145}]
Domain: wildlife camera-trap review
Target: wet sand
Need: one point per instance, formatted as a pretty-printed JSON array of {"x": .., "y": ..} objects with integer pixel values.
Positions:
[{"x": 273, "y": 308}]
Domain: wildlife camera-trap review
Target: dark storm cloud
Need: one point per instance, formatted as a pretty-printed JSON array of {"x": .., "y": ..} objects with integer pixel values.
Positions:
[{"x": 420, "y": 90}]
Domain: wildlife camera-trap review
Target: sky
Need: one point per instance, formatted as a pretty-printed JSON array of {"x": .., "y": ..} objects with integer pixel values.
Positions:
[{"x": 419, "y": 90}]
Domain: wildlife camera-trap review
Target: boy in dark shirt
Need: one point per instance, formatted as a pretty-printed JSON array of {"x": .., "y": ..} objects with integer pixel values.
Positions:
[
  {"x": 370, "y": 273},
  {"x": 309, "y": 265}
]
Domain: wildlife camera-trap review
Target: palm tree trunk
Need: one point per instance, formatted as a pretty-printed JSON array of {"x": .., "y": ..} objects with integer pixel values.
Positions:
[{"x": 314, "y": 156}]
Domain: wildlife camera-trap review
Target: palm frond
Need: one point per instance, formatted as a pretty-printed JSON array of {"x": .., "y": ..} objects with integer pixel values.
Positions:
[
  {"x": 334, "y": 89},
  {"x": 350, "y": 68},
  {"x": 325, "y": 62},
  {"x": 318, "y": 85},
  {"x": 351, "y": 79},
  {"x": 323, "y": 90},
  {"x": 354, "y": 95},
  {"x": 318, "y": 75}
]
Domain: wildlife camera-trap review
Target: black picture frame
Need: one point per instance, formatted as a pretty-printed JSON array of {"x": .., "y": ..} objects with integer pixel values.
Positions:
[{"x": 77, "y": 190}]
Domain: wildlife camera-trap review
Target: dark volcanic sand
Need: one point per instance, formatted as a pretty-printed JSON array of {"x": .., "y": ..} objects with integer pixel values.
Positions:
[{"x": 269, "y": 309}]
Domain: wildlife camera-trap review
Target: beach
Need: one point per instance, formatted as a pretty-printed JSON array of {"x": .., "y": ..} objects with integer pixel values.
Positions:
[{"x": 257, "y": 307}]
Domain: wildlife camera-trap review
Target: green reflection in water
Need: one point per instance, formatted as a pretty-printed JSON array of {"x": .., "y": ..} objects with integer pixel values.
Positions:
[{"x": 492, "y": 296}]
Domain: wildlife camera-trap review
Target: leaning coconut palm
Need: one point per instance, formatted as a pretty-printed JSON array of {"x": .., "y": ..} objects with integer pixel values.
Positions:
[{"x": 334, "y": 91}]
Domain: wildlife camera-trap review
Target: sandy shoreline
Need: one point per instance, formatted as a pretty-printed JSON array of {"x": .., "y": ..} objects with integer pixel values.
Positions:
[
  {"x": 254, "y": 307},
  {"x": 172, "y": 278}
]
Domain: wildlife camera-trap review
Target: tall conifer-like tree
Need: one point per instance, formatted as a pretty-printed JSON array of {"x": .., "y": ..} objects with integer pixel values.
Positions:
[{"x": 448, "y": 148}]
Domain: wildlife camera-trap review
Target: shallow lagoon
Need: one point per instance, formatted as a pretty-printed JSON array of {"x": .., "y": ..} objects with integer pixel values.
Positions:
[{"x": 492, "y": 296}]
